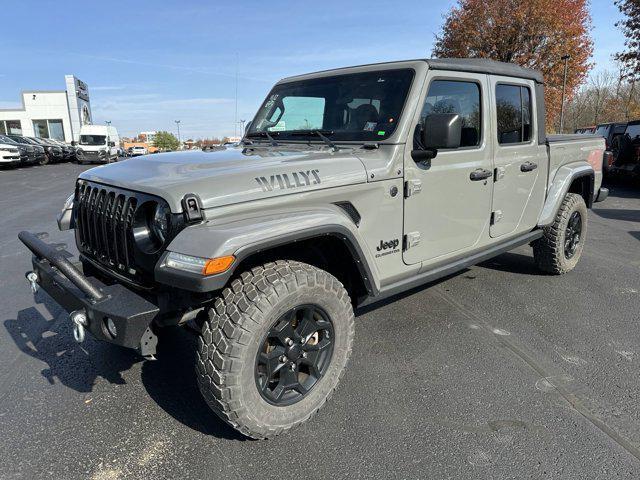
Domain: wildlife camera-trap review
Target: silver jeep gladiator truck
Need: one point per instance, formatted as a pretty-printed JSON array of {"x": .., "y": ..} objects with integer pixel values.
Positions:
[{"x": 349, "y": 186}]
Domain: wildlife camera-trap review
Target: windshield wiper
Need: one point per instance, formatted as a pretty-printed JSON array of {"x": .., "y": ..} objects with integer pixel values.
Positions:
[
  {"x": 320, "y": 133},
  {"x": 263, "y": 134}
]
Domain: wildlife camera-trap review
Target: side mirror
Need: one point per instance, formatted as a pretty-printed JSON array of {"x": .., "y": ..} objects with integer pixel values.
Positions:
[
  {"x": 442, "y": 130},
  {"x": 112, "y": 144}
]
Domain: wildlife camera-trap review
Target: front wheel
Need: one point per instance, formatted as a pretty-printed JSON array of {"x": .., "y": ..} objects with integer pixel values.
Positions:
[
  {"x": 274, "y": 347},
  {"x": 560, "y": 248}
]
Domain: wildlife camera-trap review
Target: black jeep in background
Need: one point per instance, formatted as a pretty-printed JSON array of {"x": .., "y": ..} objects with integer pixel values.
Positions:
[{"x": 626, "y": 152}]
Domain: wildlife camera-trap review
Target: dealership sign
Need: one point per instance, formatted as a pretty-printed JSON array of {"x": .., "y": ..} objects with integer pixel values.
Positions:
[{"x": 81, "y": 90}]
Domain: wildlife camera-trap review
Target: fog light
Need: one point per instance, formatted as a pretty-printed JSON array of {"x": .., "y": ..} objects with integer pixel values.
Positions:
[{"x": 110, "y": 327}]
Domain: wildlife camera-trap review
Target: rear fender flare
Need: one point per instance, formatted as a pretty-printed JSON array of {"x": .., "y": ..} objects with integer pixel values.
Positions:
[{"x": 559, "y": 187}]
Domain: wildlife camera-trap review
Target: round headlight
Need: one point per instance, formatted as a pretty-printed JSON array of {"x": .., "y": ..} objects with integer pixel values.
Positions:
[
  {"x": 160, "y": 223},
  {"x": 151, "y": 226}
]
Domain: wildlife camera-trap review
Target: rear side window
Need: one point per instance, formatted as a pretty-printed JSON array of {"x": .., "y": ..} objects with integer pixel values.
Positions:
[
  {"x": 513, "y": 108},
  {"x": 449, "y": 96}
]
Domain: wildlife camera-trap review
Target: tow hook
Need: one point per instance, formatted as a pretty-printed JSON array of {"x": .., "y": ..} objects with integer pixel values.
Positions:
[
  {"x": 80, "y": 322},
  {"x": 32, "y": 278}
]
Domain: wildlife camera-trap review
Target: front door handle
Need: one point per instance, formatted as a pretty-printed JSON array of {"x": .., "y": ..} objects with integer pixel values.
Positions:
[
  {"x": 480, "y": 174},
  {"x": 528, "y": 166}
]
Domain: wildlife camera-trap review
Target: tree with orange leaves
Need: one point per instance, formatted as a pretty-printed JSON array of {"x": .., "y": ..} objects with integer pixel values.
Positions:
[{"x": 530, "y": 33}]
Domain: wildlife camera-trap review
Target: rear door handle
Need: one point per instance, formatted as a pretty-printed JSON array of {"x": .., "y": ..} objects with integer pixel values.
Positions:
[
  {"x": 480, "y": 174},
  {"x": 528, "y": 166}
]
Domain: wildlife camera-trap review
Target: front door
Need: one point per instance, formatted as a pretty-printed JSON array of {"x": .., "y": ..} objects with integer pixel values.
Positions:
[
  {"x": 519, "y": 161},
  {"x": 448, "y": 202}
]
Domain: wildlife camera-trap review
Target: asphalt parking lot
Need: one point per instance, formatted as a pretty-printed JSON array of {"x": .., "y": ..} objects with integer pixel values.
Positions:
[{"x": 497, "y": 372}]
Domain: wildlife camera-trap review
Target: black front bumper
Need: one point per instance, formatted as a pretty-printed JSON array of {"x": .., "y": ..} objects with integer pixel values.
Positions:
[{"x": 65, "y": 282}]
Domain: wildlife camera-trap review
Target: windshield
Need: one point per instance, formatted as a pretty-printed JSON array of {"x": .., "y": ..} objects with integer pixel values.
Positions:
[
  {"x": 354, "y": 107},
  {"x": 93, "y": 139},
  {"x": 5, "y": 139}
]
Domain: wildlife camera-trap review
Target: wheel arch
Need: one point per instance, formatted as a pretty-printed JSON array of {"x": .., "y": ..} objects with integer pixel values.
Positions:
[
  {"x": 577, "y": 178},
  {"x": 327, "y": 238}
]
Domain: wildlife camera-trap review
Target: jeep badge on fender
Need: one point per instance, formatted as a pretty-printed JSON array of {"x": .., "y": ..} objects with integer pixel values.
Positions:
[{"x": 268, "y": 273}]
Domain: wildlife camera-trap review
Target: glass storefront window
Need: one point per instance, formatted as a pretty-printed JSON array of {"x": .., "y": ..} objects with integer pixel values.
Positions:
[
  {"x": 49, "y": 129},
  {"x": 41, "y": 129},
  {"x": 12, "y": 127},
  {"x": 56, "y": 131}
]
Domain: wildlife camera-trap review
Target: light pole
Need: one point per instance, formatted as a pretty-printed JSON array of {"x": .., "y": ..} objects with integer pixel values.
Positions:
[
  {"x": 178, "y": 125},
  {"x": 564, "y": 88}
]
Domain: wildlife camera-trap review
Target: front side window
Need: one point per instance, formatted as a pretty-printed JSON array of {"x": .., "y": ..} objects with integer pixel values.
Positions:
[
  {"x": 352, "y": 107},
  {"x": 633, "y": 131},
  {"x": 463, "y": 98},
  {"x": 513, "y": 109},
  {"x": 93, "y": 139}
]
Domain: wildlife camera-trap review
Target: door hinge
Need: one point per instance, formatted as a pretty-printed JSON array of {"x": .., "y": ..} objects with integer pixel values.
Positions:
[
  {"x": 412, "y": 187},
  {"x": 498, "y": 173},
  {"x": 411, "y": 239},
  {"x": 496, "y": 217}
]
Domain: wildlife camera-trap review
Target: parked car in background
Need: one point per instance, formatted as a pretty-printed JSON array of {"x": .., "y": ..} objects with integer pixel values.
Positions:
[
  {"x": 53, "y": 151},
  {"x": 626, "y": 152},
  {"x": 41, "y": 157},
  {"x": 98, "y": 144},
  {"x": 9, "y": 155},
  {"x": 25, "y": 156},
  {"x": 136, "y": 151},
  {"x": 33, "y": 153},
  {"x": 68, "y": 151}
]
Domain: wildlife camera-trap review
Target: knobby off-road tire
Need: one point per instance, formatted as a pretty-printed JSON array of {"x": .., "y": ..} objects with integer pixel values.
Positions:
[
  {"x": 551, "y": 252},
  {"x": 235, "y": 330}
]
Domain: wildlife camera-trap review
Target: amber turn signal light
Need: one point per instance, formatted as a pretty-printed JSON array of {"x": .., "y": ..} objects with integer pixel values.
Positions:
[{"x": 217, "y": 265}]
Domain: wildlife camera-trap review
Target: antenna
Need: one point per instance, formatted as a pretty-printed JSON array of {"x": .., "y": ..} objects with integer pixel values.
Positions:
[{"x": 235, "y": 118}]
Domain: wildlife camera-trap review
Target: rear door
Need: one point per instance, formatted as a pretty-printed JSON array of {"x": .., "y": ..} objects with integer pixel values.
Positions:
[
  {"x": 520, "y": 162},
  {"x": 446, "y": 211}
]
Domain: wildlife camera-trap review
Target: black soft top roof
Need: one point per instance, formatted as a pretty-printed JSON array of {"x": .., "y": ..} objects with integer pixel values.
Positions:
[{"x": 483, "y": 65}]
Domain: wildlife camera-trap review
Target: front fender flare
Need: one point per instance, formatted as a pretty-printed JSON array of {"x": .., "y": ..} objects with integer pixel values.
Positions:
[
  {"x": 246, "y": 236},
  {"x": 559, "y": 187}
]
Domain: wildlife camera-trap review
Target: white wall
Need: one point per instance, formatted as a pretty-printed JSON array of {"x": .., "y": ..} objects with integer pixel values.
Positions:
[{"x": 62, "y": 105}]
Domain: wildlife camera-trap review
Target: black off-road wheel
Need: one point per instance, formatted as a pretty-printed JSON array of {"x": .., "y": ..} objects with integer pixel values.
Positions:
[
  {"x": 560, "y": 248},
  {"x": 274, "y": 347}
]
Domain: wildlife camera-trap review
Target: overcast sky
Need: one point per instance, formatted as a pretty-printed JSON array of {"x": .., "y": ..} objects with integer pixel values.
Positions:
[{"x": 150, "y": 63}]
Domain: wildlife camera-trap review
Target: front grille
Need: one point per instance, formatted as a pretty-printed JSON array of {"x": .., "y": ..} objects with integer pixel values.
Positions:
[
  {"x": 104, "y": 226},
  {"x": 91, "y": 155}
]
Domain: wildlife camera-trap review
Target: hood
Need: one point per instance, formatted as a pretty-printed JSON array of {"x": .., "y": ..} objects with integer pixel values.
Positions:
[{"x": 232, "y": 175}]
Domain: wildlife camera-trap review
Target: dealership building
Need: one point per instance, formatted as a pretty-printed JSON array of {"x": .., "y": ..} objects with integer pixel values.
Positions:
[{"x": 55, "y": 114}]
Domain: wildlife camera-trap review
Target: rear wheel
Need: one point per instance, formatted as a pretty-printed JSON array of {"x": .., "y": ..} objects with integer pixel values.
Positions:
[
  {"x": 560, "y": 248},
  {"x": 44, "y": 160},
  {"x": 274, "y": 347}
]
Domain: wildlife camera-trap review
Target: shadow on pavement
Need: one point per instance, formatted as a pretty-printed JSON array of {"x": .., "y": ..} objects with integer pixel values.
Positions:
[
  {"x": 75, "y": 365},
  {"x": 171, "y": 383},
  {"x": 512, "y": 263},
  {"x": 627, "y": 215}
]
